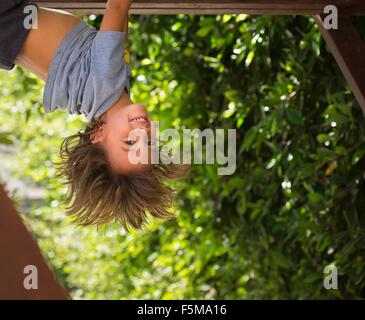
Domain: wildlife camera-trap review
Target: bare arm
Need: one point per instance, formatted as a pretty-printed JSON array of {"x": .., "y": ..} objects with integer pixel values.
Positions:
[
  {"x": 116, "y": 16},
  {"x": 126, "y": 31}
]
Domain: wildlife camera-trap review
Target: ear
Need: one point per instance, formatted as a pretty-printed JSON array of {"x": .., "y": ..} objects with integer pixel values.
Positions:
[{"x": 98, "y": 136}]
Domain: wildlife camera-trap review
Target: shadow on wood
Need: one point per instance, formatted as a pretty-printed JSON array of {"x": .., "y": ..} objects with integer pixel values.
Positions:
[
  {"x": 348, "y": 50},
  {"x": 254, "y": 7},
  {"x": 18, "y": 249}
]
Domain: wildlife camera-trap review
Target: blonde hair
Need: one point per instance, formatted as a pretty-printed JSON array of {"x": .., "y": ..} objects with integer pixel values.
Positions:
[{"x": 97, "y": 196}]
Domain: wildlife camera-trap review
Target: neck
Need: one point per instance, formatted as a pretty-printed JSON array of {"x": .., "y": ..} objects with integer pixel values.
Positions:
[{"x": 123, "y": 101}]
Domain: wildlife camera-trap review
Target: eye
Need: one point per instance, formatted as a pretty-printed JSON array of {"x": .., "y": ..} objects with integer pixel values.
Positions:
[{"x": 130, "y": 142}]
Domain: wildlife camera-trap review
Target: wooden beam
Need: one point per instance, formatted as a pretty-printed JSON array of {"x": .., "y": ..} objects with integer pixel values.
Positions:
[
  {"x": 18, "y": 249},
  {"x": 349, "y": 51},
  {"x": 253, "y": 7}
]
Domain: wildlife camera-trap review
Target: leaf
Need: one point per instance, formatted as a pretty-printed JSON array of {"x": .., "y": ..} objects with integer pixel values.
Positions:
[
  {"x": 234, "y": 183},
  {"x": 357, "y": 156},
  {"x": 203, "y": 32},
  {"x": 239, "y": 122},
  {"x": 315, "y": 197},
  {"x": 294, "y": 117},
  {"x": 279, "y": 259},
  {"x": 6, "y": 139},
  {"x": 331, "y": 168},
  {"x": 312, "y": 277},
  {"x": 249, "y": 58},
  {"x": 333, "y": 114},
  {"x": 322, "y": 138},
  {"x": 250, "y": 138}
]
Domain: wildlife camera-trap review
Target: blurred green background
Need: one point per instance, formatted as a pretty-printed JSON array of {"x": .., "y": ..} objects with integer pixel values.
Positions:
[{"x": 295, "y": 204}]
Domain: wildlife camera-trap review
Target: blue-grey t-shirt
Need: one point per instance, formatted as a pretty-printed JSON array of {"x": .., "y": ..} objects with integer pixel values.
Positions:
[{"x": 88, "y": 73}]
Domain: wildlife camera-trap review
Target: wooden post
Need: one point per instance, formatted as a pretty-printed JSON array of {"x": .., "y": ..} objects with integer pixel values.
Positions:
[
  {"x": 349, "y": 51},
  {"x": 18, "y": 249},
  {"x": 253, "y": 7}
]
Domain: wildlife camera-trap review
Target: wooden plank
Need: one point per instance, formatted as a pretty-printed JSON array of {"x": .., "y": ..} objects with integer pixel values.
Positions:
[
  {"x": 18, "y": 249},
  {"x": 349, "y": 51},
  {"x": 254, "y": 7}
]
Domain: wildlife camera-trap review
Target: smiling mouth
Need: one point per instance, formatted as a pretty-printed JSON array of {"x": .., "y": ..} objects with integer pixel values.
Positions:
[{"x": 139, "y": 119}]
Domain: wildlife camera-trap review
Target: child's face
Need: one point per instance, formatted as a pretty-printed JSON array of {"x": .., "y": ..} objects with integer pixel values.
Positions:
[{"x": 113, "y": 136}]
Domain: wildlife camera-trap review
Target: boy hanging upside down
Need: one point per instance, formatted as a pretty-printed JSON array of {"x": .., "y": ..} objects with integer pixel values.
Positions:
[{"x": 86, "y": 73}]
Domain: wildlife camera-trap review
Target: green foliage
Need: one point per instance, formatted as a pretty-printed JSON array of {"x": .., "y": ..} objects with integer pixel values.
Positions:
[{"x": 294, "y": 205}]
